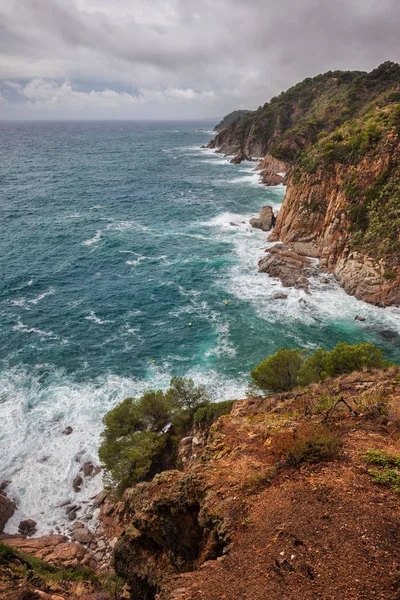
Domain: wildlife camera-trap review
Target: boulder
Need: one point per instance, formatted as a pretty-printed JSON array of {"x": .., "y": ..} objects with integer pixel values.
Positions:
[
  {"x": 186, "y": 441},
  {"x": 88, "y": 469},
  {"x": 27, "y": 527},
  {"x": 68, "y": 430},
  {"x": 4, "y": 485},
  {"x": 7, "y": 508},
  {"x": 359, "y": 318},
  {"x": 82, "y": 535},
  {"x": 279, "y": 296},
  {"x": 77, "y": 483},
  {"x": 266, "y": 220}
]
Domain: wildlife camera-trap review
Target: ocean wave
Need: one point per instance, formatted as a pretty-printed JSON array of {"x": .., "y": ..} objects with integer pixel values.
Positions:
[
  {"x": 93, "y": 240},
  {"x": 49, "y": 292},
  {"x": 141, "y": 258},
  {"x": 93, "y": 317},
  {"x": 22, "y": 327},
  {"x": 40, "y": 460}
]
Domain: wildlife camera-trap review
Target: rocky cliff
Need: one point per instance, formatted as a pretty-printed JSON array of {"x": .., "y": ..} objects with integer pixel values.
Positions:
[
  {"x": 335, "y": 141},
  {"x": 257, "y": 514}
]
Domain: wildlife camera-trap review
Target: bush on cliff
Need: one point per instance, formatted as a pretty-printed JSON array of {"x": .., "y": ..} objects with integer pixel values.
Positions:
[
  {"x": 141, "y": 436},
  {"x": 288, "y": 369}
]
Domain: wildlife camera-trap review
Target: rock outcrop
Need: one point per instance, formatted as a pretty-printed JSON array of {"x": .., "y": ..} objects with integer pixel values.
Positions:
[
  {"x": 314, "y": 220},
  {"x": 266, "y": 220},
  {"x": 54, "y": 549},
  {"x": 7, "y": 509},
  {"x": 290, "y": 267},
  {"x": 240, "y": 157},
  {"x": 342, "y": 171},
  {"x": 240, "y": 521}
]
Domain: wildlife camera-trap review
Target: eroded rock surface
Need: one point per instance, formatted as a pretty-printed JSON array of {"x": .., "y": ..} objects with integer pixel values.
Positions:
[
  {"x": 7, "y": 509},
  {"x": 266, "y": 220},
  {"x": 290, "y": 267}
]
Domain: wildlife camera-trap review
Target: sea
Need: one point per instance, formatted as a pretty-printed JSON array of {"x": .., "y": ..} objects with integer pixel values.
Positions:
[{"x": 114, "y": 236}]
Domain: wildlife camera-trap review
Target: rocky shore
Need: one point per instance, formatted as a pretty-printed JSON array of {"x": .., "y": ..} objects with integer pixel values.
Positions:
[{"x": 342, "y": 176}]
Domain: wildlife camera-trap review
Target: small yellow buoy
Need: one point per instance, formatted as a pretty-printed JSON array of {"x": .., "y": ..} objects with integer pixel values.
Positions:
[
  {"x": 226, "y": 302},
  {"x": 153, "y": 361},
  {"x": 189, "y": 324}
]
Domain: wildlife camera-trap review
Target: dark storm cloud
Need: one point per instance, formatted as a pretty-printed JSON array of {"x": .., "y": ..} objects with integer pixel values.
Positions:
[{"x": 177, "y": 58}]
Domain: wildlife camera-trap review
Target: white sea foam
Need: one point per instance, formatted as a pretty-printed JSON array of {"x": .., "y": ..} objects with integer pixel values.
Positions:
[
  {"x": 50, "y": 292},
  {"x": 93, "y": 317},
  {"x": 93, "y": 240},
  {"x": 140, "y": 258},
  {"x": 20, "y": 326},
  {"x": 40, "y": 460},
  {"x": 326, "y": 303}
]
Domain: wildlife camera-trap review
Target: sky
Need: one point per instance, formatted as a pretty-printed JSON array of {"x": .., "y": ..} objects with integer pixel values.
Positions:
[{"x": 179, "y": 59}]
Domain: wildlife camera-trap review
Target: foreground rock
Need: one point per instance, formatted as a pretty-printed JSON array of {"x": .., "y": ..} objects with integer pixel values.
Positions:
[
  {"x": 266, "y": 220},
  {"x": 7, "y": 509},
  {"x": 290, "y": 528},
  {"x": 287, "y": 265},
  {"x": 55, "y": 549}
]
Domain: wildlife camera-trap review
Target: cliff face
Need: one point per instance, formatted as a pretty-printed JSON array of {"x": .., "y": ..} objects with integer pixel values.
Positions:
[
  {"x": 242, "y": 521},
  {"x": 335, "y": 141},
  {"x": 316, "y": 220}
]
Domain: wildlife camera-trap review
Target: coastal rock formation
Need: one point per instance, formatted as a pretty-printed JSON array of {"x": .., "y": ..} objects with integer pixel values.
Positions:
[
  {"x": 228, "y": 119},
  {"x": 334, "y": 140},
  {"x": 289, "y": 266},
  {"x": 266, "y": 220},
  {"x": 54, "y": 549},
  {"x": 240, "y": 157},
  {"x": 7, "y": 509},
  {"x": 240, "y": 521},
  {"x": 315, "y": 219}
]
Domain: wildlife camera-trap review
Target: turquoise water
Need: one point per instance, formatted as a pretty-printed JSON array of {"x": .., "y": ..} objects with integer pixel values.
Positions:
[{"x": 114, "y": 236}]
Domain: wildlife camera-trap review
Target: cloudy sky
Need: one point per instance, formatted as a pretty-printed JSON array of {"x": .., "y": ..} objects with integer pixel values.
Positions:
[{"x": 178, "y": 58}]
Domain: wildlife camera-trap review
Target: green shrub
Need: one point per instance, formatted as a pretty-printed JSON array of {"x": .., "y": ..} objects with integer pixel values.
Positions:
[
  {"x": 279, "y": 372},
  {"x": 206, "y": 415},
  {"x": 386, "y": 476},
  {"x": 381, "y": 458},
  {"x": 287, "y": 369},
  {"x": 309, "y": 443},
  {"x": 141, "y": 435}
]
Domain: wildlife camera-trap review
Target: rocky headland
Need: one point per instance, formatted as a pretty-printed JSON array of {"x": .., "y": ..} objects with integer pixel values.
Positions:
[
  {"x": 334, "y": 140},
  {"x": 244, "y": 518}
]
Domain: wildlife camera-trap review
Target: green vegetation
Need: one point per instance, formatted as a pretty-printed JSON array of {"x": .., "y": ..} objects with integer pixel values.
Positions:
[
  {"x": 389, "y": 474},
  {"x": 288, "y": 369},
  {"x": 333, "y": 122},
  {"x": 228, "y": 119},
  {"x": 308, "y": 443},
  {"x": 141, "y": 436},
  {"x": 206, "y": 415},
  {"x": 296, "y": 119},
  {"x": 279, "y": 372},
  {"x": 381, "y": 458}
]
